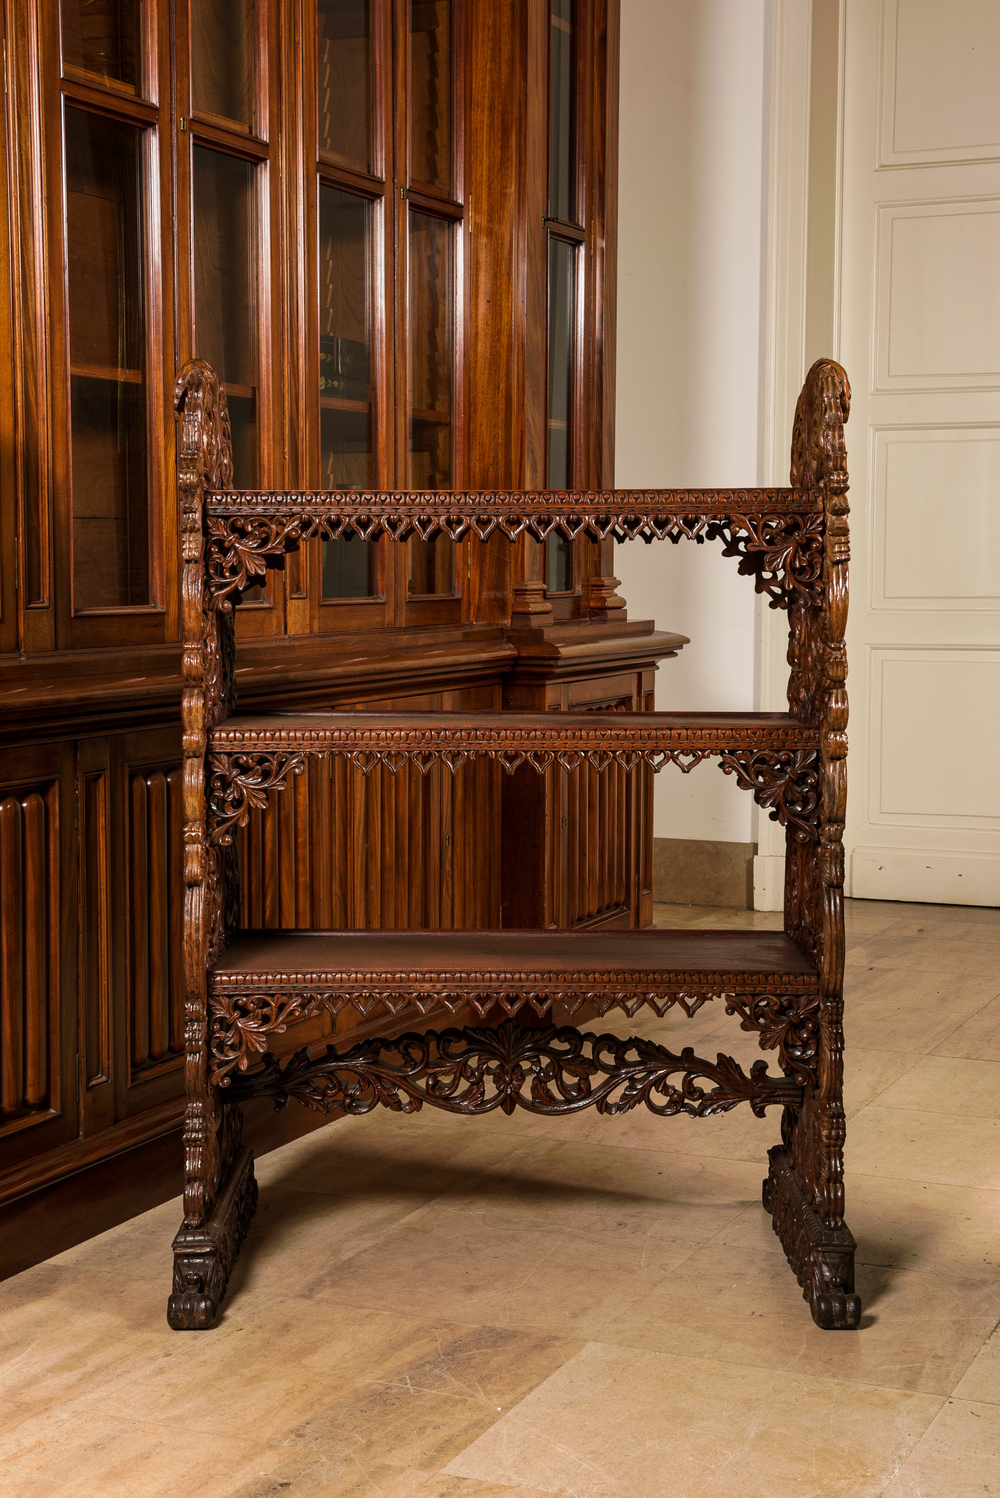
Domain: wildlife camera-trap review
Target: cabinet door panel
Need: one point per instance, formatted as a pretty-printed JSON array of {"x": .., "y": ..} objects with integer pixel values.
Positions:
[
  {"x": 146, "y": 929},
  {"x": 38, "y": 1083}
]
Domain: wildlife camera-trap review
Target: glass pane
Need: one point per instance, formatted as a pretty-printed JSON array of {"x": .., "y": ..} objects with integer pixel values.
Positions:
[
  {"x": 561, "y": 112},
  {"x": 344, "y": 71},
  {"x": 222, "y": 48},
  {"x": 431, "y": 394},
  {"x": 225, "y": 293},
  {"x": 562, "y": 316},
  {"x": 558, "y": 565},
  {"x": 345, "y": 339},
  {"x": 107, "y": 362},
  {"x": 350, "y": 568},
  {"x": 102, "y": 37},
  {"x": 430, "y": 92}
]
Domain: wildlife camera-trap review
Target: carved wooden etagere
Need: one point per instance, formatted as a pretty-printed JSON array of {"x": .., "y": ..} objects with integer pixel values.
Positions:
[{"x": 244, "y": 986}]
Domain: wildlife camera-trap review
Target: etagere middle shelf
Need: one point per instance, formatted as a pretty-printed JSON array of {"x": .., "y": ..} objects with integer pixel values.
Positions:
[{"x": 244, "y": 986}]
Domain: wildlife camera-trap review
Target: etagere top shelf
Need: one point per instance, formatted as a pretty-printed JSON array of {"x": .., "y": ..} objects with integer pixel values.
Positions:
[{"x": 506, "y": 505}]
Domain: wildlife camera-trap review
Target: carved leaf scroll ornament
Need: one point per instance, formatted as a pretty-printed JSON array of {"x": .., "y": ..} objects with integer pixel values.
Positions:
[
  {"x": 547, "y": 1070},
  {"x": 785, "y": 782},
  {"x": 248, "y": 1008},
  {"x": 776, "y": 534}
]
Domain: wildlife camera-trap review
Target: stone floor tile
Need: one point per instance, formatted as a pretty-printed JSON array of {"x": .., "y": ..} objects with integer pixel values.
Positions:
[
  {"x": 943, "y": 951},
  {"x": 916, "y": 1145},
  {"x": 889, "y": 1009},
  {"x": 96, "y": 1456},
  {"x": 898, "y": 1224},
  {"x": 977, "y": 1038},
  {"x": 388, "y": 1423},
  {"x": 947, "y": 1084},
  {"x": 919, "y": 1331},
  {"x": 956, "y": 1457},
  {"x": 615, "y": 1421},
  {"x": 981, "y": 1382}
]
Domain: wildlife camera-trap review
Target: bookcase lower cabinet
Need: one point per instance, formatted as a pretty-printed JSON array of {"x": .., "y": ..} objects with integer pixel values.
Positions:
[
  {"x": 244, "y": 985},
  {"x": 577, "y": 844}
]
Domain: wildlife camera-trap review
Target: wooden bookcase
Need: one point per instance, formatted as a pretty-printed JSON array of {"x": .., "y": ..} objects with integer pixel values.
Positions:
[{"x": 358, "y": 212}]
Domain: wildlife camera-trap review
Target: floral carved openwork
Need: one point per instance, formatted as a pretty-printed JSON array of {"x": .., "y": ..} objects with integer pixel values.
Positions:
[
  {"x": 788, "y": 1024},
  {"x": 247, "y": 1008},
  {"x": 547, "y": 1070},
  {"x": 785, "y": 782},
  {"x": 777, "y": 534},
  {"x": 241, "y": 783}
]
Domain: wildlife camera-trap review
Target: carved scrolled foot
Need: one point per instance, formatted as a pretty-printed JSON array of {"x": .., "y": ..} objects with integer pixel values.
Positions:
[
  {"x": 766, "y": 1198},
  {"x": 204, "y": 1256},
  {"x": 836, "y": 1312},
  {"x": 821, "y": 1257}
]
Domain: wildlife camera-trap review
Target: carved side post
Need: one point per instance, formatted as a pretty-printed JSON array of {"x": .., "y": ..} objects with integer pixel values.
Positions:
[
  {"x": 219, "y": 1186},
  {"x": 805, "y": 1187}
]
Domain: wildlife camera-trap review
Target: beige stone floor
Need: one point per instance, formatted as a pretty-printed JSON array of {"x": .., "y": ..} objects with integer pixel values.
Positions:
[{"x": 505, "y": 1308}]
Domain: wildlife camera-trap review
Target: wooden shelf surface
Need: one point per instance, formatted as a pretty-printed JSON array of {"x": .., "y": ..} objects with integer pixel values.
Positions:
[
  {"x": 491, "y": 733},
  {"x": 453, "y": 960}
]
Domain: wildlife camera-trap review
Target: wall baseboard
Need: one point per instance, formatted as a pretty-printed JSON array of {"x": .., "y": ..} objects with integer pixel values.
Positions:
[
  {"x": 694, "y": 871},
  {"x": 925, "y": 875},
  {"x": 769, "y": 881}
]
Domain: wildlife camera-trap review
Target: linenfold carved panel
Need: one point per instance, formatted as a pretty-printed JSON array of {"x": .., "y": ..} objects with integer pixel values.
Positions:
[
  {"x": 155, "y": 903},
  {"x": 29, "y": 1013}
]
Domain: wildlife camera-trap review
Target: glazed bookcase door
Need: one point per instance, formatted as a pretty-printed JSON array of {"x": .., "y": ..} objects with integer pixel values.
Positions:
[
  {"x": 94, "y": 291},
  {"x": 230, "y": 233}
]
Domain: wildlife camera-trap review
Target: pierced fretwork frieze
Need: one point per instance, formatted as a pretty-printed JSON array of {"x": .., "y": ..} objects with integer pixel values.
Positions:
[
  {"x": 247, "y": 1008},
  {"x": 785, "y": 782},
  {"x": 776, "y": 533},
  {"x": 547, "y": 1070}
]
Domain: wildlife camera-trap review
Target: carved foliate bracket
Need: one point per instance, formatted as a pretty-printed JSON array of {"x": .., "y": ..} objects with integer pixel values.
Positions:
[
  {"x": 547, "y": 1070},
  {"x": 240, "y": 783},
  {"x": 788, "y": 1024}
]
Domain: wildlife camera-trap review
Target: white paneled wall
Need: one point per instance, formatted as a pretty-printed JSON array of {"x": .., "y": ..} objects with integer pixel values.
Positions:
[{"x": 692, "y": 216}]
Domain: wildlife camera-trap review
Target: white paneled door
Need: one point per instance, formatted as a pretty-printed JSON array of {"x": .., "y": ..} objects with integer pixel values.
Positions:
[{"x": 919, "y": 325}]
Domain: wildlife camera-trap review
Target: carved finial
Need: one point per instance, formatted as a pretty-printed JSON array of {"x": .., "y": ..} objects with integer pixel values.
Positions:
[
  {"x": 818, "y": 451},
  {"x": 206, "y": 452}
]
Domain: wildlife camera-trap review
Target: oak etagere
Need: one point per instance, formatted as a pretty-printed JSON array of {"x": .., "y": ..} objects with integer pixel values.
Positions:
[{"x": 244, "y": 986}]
